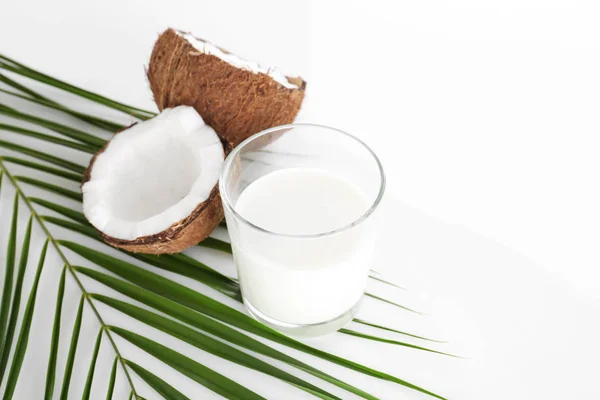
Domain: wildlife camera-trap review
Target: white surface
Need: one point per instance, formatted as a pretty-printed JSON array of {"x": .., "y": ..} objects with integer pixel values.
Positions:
[{"x": 485, "y": 117}]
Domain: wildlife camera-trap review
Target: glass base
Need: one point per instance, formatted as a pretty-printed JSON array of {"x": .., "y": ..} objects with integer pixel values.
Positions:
[{"x": 305, "y": 330}]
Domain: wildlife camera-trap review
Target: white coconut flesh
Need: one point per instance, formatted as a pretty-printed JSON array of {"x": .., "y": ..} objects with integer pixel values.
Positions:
[
  {"x": 206, "y": 47},
  {"x": 153, "y": 175}
]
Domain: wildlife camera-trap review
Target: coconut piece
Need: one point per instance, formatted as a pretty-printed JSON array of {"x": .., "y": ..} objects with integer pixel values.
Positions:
[
  {"x": 238, "y": 98},
  {"x": 153, "y": 187}
]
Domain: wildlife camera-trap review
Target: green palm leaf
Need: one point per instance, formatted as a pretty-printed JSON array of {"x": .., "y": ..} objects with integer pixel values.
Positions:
[
  {"x": 51, "y": 373},
  {"x": 90, "y": 378},
  {"x": 21, "y": 347},
  {"x": 389, "y": 341},
  {"x": 67, "y": 212},
  {"x": 391, "y": 303},
  {"x": 47, "y": 138},
  {"x": 211, "y": 278},
  {"x": 162, "y": 387},
  {"x": 379, "y": 279},
  {"x": 71, "y": 166},
  {"x": 44, "y": 168},
  {"x": 206, "y": 305},
  {"x": 216, "y": 244},
  {"x": 190, "y": 368},
  {"x": 210, "y": 325},
  {"x": 72, "y": 350},
  {"x": 111, "y": 382},
  {"x": 21, "y": 69},
  {"x": 16, "y": 301},
  {"x": 206, "y": 343},
  {"x": 153, "y": 260},
  {"x": 50, "y": 187},
  {"x": 21, "y": 88},
  {"x": 182, "y": 312},
  {"x": 72, "y": 226},
  {"x": 385, "y": 328},
  {"x": 93, "y": 141},
  {"x": 37, "y": 98},
  {"x": 8, "y": 277}
]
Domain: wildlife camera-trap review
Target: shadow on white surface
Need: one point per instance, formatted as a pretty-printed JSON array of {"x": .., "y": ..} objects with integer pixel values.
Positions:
[{"x": 525, "y": 335}]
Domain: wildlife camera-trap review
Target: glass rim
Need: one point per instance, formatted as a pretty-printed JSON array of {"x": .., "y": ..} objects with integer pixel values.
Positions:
[{"x": 227, "y": 165}]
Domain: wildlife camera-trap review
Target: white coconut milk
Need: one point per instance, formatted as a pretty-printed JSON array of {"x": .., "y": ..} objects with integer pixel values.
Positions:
[{"x": 302, "y": 280}]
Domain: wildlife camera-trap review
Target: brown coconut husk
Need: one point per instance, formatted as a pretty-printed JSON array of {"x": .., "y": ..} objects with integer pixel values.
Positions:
[
  {"x": 177, "y": 237},
  {"x": 235, "y": 102}
]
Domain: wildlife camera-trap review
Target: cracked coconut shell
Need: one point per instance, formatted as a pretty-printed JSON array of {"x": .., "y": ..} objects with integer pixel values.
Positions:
[{"x": 233, "y": 98}]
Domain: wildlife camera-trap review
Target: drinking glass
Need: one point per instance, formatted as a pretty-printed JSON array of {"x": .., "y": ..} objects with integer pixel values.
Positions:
[{"x": 302, "y": 285}]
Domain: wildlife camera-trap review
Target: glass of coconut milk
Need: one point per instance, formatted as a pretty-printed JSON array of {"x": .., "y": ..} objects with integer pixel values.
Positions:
[{"x": 299, "y": 202}]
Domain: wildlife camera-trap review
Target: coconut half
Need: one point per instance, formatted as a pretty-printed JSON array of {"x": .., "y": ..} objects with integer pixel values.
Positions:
[
  {"x": 153, "y": 187},
  {"x": 236, "y": 97}
]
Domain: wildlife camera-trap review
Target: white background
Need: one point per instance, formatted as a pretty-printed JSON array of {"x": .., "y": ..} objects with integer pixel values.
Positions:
[{"x": 486, "y": 117}]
